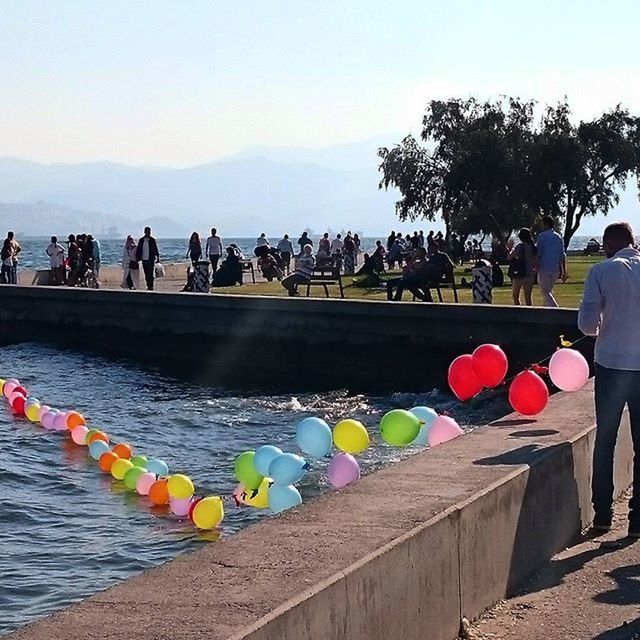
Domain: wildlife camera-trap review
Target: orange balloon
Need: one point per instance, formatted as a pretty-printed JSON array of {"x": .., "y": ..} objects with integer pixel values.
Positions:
[
  {"x": 158, "y": 493},
  {"x": 98, "y": 435},
  {"x": 106, "y": 460},
  {"x": 75, "y": 419},
  {"x": 123, "y": 450}
]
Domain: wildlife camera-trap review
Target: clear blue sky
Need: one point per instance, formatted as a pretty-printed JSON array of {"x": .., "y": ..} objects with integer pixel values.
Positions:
[{"x": 181, "y": 82}]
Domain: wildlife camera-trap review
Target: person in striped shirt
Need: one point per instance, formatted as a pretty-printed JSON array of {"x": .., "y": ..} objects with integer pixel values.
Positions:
[{"x": 304, "y": 270}]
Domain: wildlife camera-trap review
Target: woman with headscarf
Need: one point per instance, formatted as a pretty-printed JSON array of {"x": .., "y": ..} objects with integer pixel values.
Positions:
[{"x": 130, "y": 265}]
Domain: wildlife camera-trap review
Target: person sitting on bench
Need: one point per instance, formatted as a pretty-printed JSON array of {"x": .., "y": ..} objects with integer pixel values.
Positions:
[
  {"x": 268, "y": 264},
  {"x": 412, "y": 276},
  {"x": 304, "y": 270},
  {"x": 436, "y": 267},
  {"x": 230, "y": 271}
]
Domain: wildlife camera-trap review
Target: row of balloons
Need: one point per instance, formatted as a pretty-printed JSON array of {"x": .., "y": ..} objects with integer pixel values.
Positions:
[
  {"x": 147, "y": 476},
  {"x": 487, "y": 367}
]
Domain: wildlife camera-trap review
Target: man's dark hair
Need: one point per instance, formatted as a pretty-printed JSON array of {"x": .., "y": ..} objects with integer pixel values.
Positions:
[
  {"x": 548, "y": 222},
  {"x": 147, "y": 230},
  {"x": 619, "y": 233},
  {"x": 10, "y": 235}
]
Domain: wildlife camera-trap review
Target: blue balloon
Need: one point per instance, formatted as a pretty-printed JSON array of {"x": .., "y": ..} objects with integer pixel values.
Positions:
[
  {"x": 427, "y": 416},
  {"x": 287, "y": 469},
  {"x": 264, "y": 456},
  {"x": 97, "y": 448},
  {"x": 159, "y": 467},
  {"x": 31, "y": 400},
  {"x": 283, "y": 497},
  {"x": 313, "y": 436}
]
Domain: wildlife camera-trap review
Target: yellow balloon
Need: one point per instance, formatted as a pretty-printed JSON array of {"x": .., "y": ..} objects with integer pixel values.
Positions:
[
  {"x": 180, "y": 486},
  {"x": 2, "y": 384},
  {"x": 120, "y": 467},
  {"x": 261, "y": 499},
  {"x": 350, "y": 436},
  {"x": 208, "y": 513},
  {"x": 32, "y": 412}
]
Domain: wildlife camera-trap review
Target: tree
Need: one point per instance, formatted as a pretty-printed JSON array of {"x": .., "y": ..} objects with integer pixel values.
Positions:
[{"x": 577, "y": 171}]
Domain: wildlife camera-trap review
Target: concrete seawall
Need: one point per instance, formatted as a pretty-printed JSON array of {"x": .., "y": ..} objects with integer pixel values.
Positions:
[
  {"x": 255, "y": 340},
  {"x": 405, "y": 553}
]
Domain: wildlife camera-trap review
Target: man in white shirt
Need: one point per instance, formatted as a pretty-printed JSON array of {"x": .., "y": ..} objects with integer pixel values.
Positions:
[
  {"x": 609, "y": 310},
  {"x": 213, "y": 250},
  {"x": 337, "y": 245},
  {"x": 55, "y": 252},
  {"x": 262, "y": 241},
  {"x": 286, "y": 251}
]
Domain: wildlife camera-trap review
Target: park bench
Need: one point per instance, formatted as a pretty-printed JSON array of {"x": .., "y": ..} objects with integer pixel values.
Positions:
[
  {"x": 448, "y": 281},
  {"x": 247, "y": 267},
  {"x": 324, "y": 277}
]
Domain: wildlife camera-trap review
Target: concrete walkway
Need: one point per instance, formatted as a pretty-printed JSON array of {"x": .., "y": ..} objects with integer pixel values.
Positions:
[{"x": 590, "y": 591}]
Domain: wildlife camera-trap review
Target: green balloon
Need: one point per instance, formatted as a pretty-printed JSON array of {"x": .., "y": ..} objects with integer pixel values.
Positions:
[
  {"x": 89, "y": 434},
  {"x": 139, "y": 461},
  {"x": 131, "y": 477},
  {"x": 399, "y": 427},
  {"x": 246, "y": 472}
]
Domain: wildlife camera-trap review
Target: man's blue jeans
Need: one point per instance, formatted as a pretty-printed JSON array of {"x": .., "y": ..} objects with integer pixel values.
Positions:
[{"x": 614, "y": 389}]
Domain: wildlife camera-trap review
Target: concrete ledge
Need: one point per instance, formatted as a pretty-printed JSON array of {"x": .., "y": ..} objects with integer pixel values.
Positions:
[{"x": 403, "y": 554}]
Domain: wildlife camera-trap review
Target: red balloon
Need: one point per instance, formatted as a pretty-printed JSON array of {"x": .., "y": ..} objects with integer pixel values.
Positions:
[
  {"x": 528, "y": 393},
  {"x": 21, "y": 390},
  {"x": 490, "y": 364},
  {"x": 192, "y": 506},
  {"x": 462, "y": 380},
  {"x": 18, "y": 405}
]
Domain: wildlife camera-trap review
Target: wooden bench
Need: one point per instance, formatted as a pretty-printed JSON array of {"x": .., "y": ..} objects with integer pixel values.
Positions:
[
  {"x": 448, "y": 281},
  {"x": 247, "y": 267},
  {"x": 323, "y": 277}
]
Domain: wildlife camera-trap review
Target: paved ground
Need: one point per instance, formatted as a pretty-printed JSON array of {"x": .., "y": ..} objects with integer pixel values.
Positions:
[{"x": 589, "y": 592}]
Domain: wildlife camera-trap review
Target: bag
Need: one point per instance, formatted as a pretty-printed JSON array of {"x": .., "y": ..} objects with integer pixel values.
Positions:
[
  {"x": 517, "y": 265},
  {"x": 159, "y": 270},
  {"x": 133, "y": 265}
]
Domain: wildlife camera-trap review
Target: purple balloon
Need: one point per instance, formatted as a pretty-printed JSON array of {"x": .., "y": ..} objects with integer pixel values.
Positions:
[
  {"x": 343, "y": 470},
  {"x": 180, "y": 506},
  {"x": 60, "y": 422},
  {"x": 48, "y": 419}
]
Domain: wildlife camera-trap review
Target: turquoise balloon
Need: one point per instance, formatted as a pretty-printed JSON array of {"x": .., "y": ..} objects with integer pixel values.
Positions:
[
  {"x": 283, "y": 497},
  {"x": 97, "y": 448},
  {"x": 426, "y": 415},
  {"x": 313, "y": 436},
  {"x": 159, "y": 467},
  {"x": 264, "y": 457},
  {"x": 287, "y": 469}
]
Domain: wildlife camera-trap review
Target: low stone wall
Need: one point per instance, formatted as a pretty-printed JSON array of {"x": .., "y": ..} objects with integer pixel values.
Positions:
[
  {"x": 405, "y": 553},
  {"x": 252, "y": 340}
]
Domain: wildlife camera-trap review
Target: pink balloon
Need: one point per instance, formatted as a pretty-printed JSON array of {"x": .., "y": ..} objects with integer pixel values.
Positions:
[
  {"x": 144, "y": 483},
  {"x": 343, "y": 470},
  {"x": 48, "y": 419},
  {"x": 443, "y": 429},
  {"x": 8, "y": 388},
  {"x": 568, "y": 370},
  {"x": 79, "y": 434},
  {"x": 42, "y": 410},
  {"x": 179, "y": 506},
  {"x": 14, "y": 395},
  {"x": 60, "y": 422}
]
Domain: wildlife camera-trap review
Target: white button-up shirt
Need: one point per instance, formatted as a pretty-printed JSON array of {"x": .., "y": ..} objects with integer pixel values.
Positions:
[{"x": 610, "y": 310}]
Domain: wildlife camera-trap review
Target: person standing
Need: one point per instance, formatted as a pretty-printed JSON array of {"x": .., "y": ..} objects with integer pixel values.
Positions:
[
  {"x": 522, "y": 266},
  {"x": 130, "y": 265},
  {"x": 96, "y": 255},
  {"x": 213, "y": 250},
  {"x": 194, "y": 252},
  {"x": 609, "y": 311},
  {"x": 262, "y": 241},
  {"x": 15, "y": 250},
  {"x": 55, "y": 252},
  {"x": 349, "y": 255},
  {"x": 303, "y": 241},
  {"x": 6, "y": 259},
  {"x": 147, "y": 253},
  {"x": 551, "y": 261},
  {"x": 286, "y": 251}
]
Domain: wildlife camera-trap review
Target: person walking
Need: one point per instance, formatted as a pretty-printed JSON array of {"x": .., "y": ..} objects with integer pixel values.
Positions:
[
  {"x": 15, "y": 250},
  {"x": 609, "y": 311},
  {"x": 147, "y": 253},
  {"x": 349, "y": 255},
  {"x": 194, "y": 252},
  {"x": 130, "y": 265},
  {"x": 55, "y": 252},
  {"x": 213, "y": 250},
  {"x": 286, "y": 251},
  {"x": 551, "y": 261},
  {"x": 522, "y": 267}
]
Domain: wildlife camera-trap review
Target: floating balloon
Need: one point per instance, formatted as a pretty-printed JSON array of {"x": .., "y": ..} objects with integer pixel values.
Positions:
[
  {"x": 528, "y": 394},
  {"x": 264, "y": 457},
  {"x": 490, "y": 365},
  {"x": 194, "y": 502},
  {"x": 246, "y": 472},
  {"x": 2, "y": 385},
  {"x": 75, "y": 419},
  {"x": 8, "y": 387},
  {"x": 144, "y": 482},
  {"x": 260, "y": 498},
  {"x": 97, "y": 435},
  {"x": 48, "y": 419},
  {"x": 287, "y": 468},
  {"x": 41, "y": 411},
  {"x": 123, "y": 450},
  {"x": 97, "y": 448},
  {"x": 79, "y": 434},
  {"x": 426, "y": 415},
  {"x": 282, "y": 498},
  {"x": 140, "y": 461},
  {"x": 17, "y": 403},
  {"x": 158, "y": 493},
  {"x": 32, "y": 400},
  {"x": 568, "y": 370},
  {"x": 106, "y": 461},
  {"x": 131, "y": 477},
  {"x": 350, "y": 436},
  {"x": 442, "y": 430},
  {"x": 179, "y": 506},
  {"x": 343, "y": 470},
  {"x": 462, "y": 379},
  {"x": 22, "y": 390},
  {"x": 180, "y": 486},
  {"x": 208, "y": 513},
  {"x": 60, "y": 422},
  {"x": 90, "y": 433},
  {"x": 314, "y": 437},
  {"x": 399, "y": 427},
  {"x": 157, "y": 466},
  {"x": 120, "y": 467},
  {"x": 32, "y": 411}
]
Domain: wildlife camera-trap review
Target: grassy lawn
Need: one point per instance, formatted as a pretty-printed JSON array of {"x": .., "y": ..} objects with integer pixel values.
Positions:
[{"x": 567, "y": 294}]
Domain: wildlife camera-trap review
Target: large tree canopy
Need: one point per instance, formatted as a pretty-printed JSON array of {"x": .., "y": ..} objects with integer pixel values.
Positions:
[{"x": 488, "y": 167}]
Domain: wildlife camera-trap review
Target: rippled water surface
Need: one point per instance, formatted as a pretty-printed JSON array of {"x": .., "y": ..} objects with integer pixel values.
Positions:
[{"x": 68, "y": 530}]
